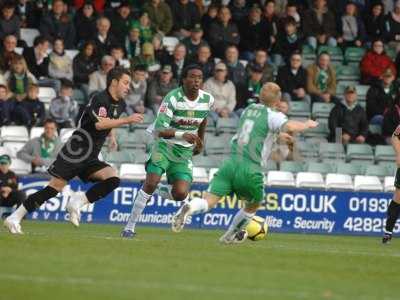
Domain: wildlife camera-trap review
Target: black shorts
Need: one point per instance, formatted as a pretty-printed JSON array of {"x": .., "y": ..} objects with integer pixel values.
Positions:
[
  {"x": 397, "y": 179},
  {"x": 68, "y": 170}
]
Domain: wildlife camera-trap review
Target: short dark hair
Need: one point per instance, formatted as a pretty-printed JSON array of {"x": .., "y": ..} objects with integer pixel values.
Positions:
[
  {"x": 140, "y": 67},
  {"x": 324, "y": 53},
  {"x": 40, "y": 39},
  {"x": 9, "y": 5},
  {"x": 116, "y": 73},
  {"x": 49, "y": 120},
  {"x": 66, "y": 84},
  {"x": 190, "y": 67},
  {"x": 33, "y": 85}
]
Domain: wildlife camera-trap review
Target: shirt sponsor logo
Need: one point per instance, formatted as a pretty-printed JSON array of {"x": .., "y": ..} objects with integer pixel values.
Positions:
[
  {"x": 163, "y": 108},
  {"x": 102, "y": 112}
]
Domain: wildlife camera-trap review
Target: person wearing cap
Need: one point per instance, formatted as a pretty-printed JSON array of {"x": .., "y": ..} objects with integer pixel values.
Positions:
[
  {"x": 251, "y": 93},
  {"x": 349, "y": 117},
  {"x": 374, "y": 62},
  {"x": 159, "y": 87},
  {"x": 133, "y": 44},
  {"x": 380, "y": 96},
  {"x": 185, "y": 15},
  {"x": 9, "y": 194},
  {"x": 194, "y": 41},
  {"x": 224, "y": 93},
  {"x": 160, "y": 15},
  {"x": 98, "y": 79},
  {"x": 392, "y": 27}
]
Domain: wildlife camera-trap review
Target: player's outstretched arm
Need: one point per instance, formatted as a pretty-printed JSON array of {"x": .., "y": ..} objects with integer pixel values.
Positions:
[
  {"x": 107, "y": 123},
  {"x": 297, "y": 126}
]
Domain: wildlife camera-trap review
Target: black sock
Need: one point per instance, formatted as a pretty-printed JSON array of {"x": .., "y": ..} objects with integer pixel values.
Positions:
[
  {"x": 102, "y": 189},
  {"x": 35, "y": 200},
  {"x": 393, "y": 214}
]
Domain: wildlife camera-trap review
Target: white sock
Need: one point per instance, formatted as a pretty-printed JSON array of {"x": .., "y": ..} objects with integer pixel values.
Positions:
[
  {"x": 198, "y": 206},
  {"x": 18, "y": 214},
  {"x": 83, "y": 200},
  {"x": 137, "y": 209},
  {"x": 240, "y": 221}
]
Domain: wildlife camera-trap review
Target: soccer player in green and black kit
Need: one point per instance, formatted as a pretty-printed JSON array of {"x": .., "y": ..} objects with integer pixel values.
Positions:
[
  {"x": 394, "y": 206},
  {"x": 242, "y": 172}
]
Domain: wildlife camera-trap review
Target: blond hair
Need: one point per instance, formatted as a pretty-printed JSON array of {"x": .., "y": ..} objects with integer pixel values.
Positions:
[{"x": 270, "y": 94}]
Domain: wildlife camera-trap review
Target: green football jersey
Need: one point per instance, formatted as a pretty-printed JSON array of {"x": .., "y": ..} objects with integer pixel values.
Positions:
[
  {"x": 258, "y": 127},
  {"x": 178, "y": 112}
]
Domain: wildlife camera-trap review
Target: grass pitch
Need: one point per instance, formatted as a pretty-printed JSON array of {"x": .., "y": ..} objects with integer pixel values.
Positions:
[{"x": 56, "y": 261}]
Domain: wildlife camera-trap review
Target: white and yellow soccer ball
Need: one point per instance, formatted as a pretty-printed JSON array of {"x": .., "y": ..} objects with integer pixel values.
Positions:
[{"x": 257, "y": 229}]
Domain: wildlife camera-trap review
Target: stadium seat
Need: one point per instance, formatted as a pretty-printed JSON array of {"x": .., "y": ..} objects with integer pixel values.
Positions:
[
  {"x": 4, "y": 150},
  {"x": 388, "y": 184},
  {"x": 28, "y": 35},
  {"x": 14, "y": 134},
  {"x": 147, "y": 120},
  {"x": 316, "y": 167},
  {"x": 132, "y": 171},
  {"x": 322, "y": 110},
  {"x": 210, "y": 125},
  {"x": 200, "y": 174},
  {"x": 336, "y": 53},
  {"x": 216, "y": 145},
  {"x": 66, "y": 133},
  {"x": 340, "y": 87},
  {"x": 375, "y": 129},
  {"x": 362, "y": 91},
  {"x": 243, "y": 62},
  {"x": 119, "y": 157},
  {"x": 299, "y": 109},
  {"x": 306, "y": 149},
  {"x": 309, "y": 180},
  {"x": 46, "y": 94},
  {"x": 20, "y": 167},
  {"x": 71, "y": 53},
  {"x": 367, "y": 183},
  {"x": 280, "y": 178},
  {"x": 19, "y": 50},
  {"x": 377, "y": 170},
  {"x": 169, "y": 42},
  {"x": 271, "y": 166},
  {"x": 227, "y": 125},
  {"x": 339, "y": 182},
  {"x": 349, "y": 169},
  {"x": 320, "y": 131},
  {"x": 353, "y": 55},
  {"x": 292, "y": 166},
  {"x": 359, "y": 152},
  {"x": 211, "y": 173},
  {"x": 36, "y": 132},
  {"x": 79, "y": 97},
  {"x": 13, "y": 147},
  {"x": 384, "y": 153},
  {"x": 391, "y": 167},
  {"x": 391, "y": 52},
  {"x": 308, "y": 52},
  {"x": 204, "y": 161},
  {"x": 346, "y": 73},
  {"x": 141, "y": 157},
  {"x": 331, "y": 150}
]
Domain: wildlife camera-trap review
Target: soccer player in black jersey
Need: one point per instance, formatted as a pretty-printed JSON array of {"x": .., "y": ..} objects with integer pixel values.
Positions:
[
  {"x": 79, "y": 155},
  {"x": 394, "y": 206}
]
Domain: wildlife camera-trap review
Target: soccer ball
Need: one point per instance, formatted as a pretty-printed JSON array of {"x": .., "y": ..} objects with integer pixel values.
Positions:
[{"x": 257, "y": 229}]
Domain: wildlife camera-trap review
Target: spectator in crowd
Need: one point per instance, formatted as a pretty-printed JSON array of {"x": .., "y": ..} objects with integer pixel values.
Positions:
[
  {"x": 321, "y": 80},
  {"x": 30, "y": 111},
  {"x": 98, "y": 79},
  {"x": 319, "y": 25},
  {"x": 283, "y": 106},
  {"x": 350, "y": 117},
  {"x": 178, "y": 60},
  {"x": 374, "y": 62},
  {"x": 120, "y": 22},
  {"x": 9, "y": 193},
  {"x": 185, "y": 15},
  {"x": 9, "y": 21},
  {"x": 6, "y": 106},
  {"x": 147, "y": 58},
  {"x": 133, "y": 45},
  {"x": 272, "y": 20},
  {"x": 160, "y": 86},
  {"x": 8, "y": 52},
  {"x": 28, "y": 13},
  {"x": 208, "y": 18},
  {"x": 391, "y": 119},
  {"x": 261, "y": 60},
  {"x": 380, "y": 96},
  {"x": 223, "y": 33},
  {"x": 60, "y": 64},
  {"x": 85, "y": 22},
  {"x": 288, "y": 42},
  {"x": 392, "y": 26},
  {"x": 205, "y": 60},
  {"x": 99, "y": 5},
  {"x": 160, "y": 15},
  {"x": 254, "y": 34},
  {"x": 85, "y": 63},
  {"x": 37, "y": 58},
  {"x": 58, "y": 24},
  {"x": 41, "y": 151},
  {"x": 236, "y": 70},
  {"x": 160, "y": 53},
  {"x": 138, "y": 89},
  {"x": 19, "y": 78},
  {"x": 351, "y": 28},
  {"x": 291, "y": 11},
  {"x": 223, "y": 91},
  {"x": 292, "y": 79},
  {"x": 239, "y": 10},
  {"x": 103, "y": 37},
  {"x": 375, "y": 22},
  {"x": 194, "y": 41},
  {"x": 118, "y": 53},
  {"x": 146, "y": 28},
  {"x": 63, "y": 109},
  {"x": 250, "y": 93}
]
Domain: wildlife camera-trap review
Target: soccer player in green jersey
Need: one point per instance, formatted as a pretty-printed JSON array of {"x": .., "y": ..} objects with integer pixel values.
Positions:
[
  {"x": 179, "y": 133},
  {"x": 242, "y": 173}
]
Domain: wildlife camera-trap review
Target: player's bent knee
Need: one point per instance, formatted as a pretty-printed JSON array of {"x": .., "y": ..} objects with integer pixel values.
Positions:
[
  {"x": 251, "y": 208},
  {"x": 179, "y": 194},
  {"x": 57, "y": 184}
]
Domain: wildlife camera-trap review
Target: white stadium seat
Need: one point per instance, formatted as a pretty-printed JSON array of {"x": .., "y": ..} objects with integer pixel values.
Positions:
[
  {"x": 13, "y": 147},
  {"x": 14, "y": 133},
  {"x": 66, "y": 133},
  {"x": 170, "y": 42},
  {"x": 388, "y": 184},
  {"x": 4, "y": 150},
  {"x": 310, "y": 180},
  {"x": 200, "y": 174},
  {"x": 28, "y": 35},
  {"x": 339, "y": 182},
  {"x": 212, "y": 173},
  {"x": 20, "y": 167},
  {"x": 367, "y": 183},
  {"x": 36, "y": 132},
  {"x": 280, "y": 178},
  {"x": 46, "y": 94},
  {"x": 19, "y": 50},
  {"x": 72, "y": 53},
  {"x": 132, "y": 171}
]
